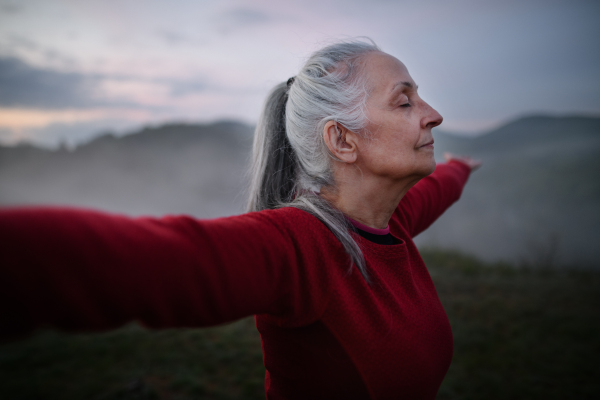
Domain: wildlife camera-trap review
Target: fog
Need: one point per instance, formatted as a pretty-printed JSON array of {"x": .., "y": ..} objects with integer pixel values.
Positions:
[{"x": 535, "y": 200}]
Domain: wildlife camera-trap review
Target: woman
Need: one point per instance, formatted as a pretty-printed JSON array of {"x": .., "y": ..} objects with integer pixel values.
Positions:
[{"x": 343, "y": 178}]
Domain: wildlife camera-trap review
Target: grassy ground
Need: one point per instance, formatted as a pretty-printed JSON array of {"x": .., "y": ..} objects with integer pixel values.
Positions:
[
  {"x": 521, "y": 333},
  {"x": 134, "y": 363}
]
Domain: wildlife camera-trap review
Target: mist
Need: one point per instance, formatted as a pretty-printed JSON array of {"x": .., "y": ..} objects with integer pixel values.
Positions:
[{"x": 536, "y": 200}]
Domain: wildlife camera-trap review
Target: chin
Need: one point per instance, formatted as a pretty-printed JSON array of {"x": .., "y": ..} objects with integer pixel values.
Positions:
[
  {"x": 432, "y": 167},
  {"x": 427, "y": 168}
]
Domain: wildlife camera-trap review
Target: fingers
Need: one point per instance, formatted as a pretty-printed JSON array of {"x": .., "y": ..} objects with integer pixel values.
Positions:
[{"x": 472, "y": 163}]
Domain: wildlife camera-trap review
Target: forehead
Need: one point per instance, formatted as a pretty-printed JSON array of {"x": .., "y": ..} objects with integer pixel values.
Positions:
[{"x": 384, "y": 72}]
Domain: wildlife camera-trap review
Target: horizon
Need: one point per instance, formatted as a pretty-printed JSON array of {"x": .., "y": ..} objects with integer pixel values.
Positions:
[{"x": 71, "y": 146}]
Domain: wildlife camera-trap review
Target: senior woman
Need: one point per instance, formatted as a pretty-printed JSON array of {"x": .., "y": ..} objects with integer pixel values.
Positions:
[{"x": 342, "y": 180}]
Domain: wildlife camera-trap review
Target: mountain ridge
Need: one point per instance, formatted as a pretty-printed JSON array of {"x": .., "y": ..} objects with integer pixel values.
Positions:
[{"x": 552, "y": 124}]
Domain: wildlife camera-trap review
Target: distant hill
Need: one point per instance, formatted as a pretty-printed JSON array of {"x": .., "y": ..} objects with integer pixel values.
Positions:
[
  {"x": 527, "y": 134},
  {"x": 537, "y": 196},
  {"x": 171, "y": 169}
]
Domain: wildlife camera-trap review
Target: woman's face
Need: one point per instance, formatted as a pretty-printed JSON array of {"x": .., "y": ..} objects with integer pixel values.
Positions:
[{"x": 400, "y": 122}]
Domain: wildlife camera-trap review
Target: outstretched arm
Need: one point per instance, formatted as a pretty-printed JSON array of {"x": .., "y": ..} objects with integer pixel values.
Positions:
[
  {"x": 86, "y": 270},
  {"x": 431, "y": 196}
]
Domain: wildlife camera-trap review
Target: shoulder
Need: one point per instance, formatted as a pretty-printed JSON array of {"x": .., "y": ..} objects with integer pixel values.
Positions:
[
  {"x": 287, "y": 226},
  {"x": 298, "y": 224}
]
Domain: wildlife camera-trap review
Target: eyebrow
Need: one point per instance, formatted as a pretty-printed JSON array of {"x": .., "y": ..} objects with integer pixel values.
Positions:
[{"x": 405, "y": 84}]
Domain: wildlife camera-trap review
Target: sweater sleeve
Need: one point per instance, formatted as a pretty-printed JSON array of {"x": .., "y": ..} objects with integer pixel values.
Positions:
[
  {"x": 85, "y": 270},
  {"x": 431, "y": 196}
]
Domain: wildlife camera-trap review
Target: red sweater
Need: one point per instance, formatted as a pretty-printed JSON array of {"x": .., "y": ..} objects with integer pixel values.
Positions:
[{"x": 325, "y": 332}]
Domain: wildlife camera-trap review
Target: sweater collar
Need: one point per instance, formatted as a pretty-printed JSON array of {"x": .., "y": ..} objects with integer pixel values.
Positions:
[{"x": 368, "y": 229}]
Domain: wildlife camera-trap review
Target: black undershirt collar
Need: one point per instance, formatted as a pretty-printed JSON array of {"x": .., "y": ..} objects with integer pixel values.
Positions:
[{"x": 379, "y": 239}]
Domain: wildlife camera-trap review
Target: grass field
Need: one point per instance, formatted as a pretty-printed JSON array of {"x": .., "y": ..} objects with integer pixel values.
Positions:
[{"x": 519, "y": 333}]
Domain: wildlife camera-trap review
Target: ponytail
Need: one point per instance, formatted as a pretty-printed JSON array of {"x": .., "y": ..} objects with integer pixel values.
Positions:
[{"x": 274, "y": 162}]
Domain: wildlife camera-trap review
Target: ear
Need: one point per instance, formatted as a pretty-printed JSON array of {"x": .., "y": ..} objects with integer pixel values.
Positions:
[{"x": 341, "y": 142}]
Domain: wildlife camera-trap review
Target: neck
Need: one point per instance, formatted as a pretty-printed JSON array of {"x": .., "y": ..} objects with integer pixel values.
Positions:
[{"x": 370, "y": 200}]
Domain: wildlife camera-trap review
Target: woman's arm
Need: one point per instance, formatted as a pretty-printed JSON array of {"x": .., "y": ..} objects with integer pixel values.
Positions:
[
  {"x": 434, "y": 194},
  {"x": 86, "y": 270}
]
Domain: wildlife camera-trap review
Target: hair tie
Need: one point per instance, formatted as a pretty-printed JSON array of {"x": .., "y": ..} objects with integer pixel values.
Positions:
[{"x": 291, "y": 81}]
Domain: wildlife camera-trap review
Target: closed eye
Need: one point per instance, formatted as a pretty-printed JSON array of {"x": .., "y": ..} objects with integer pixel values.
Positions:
[{"x": 405, "y": 105}]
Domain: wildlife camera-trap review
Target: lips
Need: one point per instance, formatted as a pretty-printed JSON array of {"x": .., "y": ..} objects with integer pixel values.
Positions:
[{"x": 428, "y": 144}]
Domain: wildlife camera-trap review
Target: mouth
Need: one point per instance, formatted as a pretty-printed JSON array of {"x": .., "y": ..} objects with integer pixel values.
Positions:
[{"x": 427, "y": 145}]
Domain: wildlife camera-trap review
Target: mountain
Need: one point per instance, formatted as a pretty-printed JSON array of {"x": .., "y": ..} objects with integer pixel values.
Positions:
[
  {"x": 536, "y": 197},
  {"x": 171, "y": 169}
]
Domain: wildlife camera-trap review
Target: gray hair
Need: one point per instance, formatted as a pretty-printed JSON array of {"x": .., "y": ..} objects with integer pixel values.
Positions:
[{"x": 290, "y": 160}]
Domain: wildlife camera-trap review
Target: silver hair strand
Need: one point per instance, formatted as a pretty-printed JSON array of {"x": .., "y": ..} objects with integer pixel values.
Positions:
[{"x": 290, "y": 160}]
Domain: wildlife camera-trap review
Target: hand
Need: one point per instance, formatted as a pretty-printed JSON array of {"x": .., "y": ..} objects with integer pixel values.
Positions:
[{"x": 470, "y": 162}]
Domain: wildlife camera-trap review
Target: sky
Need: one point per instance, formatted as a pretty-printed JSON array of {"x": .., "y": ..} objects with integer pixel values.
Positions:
[{"x": 71, "y": 69}]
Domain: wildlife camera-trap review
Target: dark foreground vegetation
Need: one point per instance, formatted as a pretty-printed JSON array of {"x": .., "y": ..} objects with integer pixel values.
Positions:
[{"x": 520, "y": 333}]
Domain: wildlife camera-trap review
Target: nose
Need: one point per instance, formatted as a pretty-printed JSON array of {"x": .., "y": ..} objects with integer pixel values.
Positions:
[{"x": 431, "y": 118}]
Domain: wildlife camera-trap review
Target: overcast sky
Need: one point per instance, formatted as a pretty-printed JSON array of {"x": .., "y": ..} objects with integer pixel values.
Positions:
[{"x": 70, "y": 69}]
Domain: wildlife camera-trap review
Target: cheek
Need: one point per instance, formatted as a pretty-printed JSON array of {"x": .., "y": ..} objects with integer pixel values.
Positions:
[
  {"x": 388, "y": 155},
  {"x": 391, "y": 149}
]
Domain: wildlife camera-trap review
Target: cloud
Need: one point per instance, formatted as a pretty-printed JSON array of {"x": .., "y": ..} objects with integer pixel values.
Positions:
[
  {"x": 172, "y": 37},
  {"x": 23, "y": 47},
  {"x": 245, "y": 16},
  {"x": 44, "y": 105},
  {"x": 240, "y": 19},
  {"x": 182, "y": 88},
  {"x": 26, "y": 86},
  {"x": 10, "y": 8}
]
